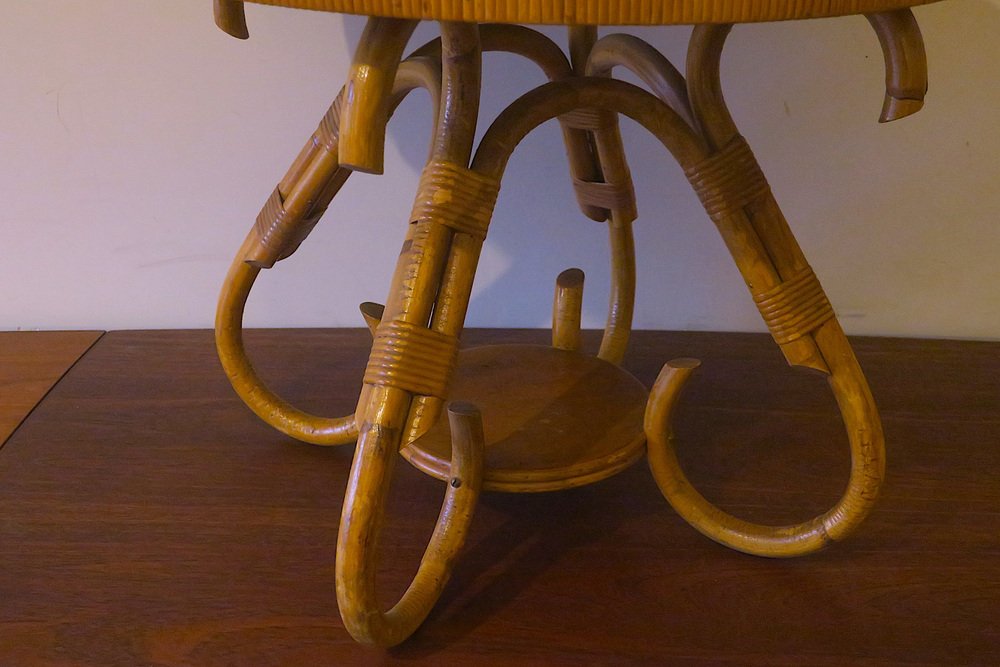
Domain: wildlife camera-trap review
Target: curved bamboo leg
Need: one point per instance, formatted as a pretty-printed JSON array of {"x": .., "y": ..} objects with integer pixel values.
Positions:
[
  {"x": 751, "y": 538},
  {"x": 542, "y": 51},
  {"x": 750, "y": 222},
  {"x": 598, "y": 170},
  {"x": 363, "y": 515},
  {"x": 796, "y": 310},
  {"x": 295, "y": 207},
  {"x": 609, "y": 188},
  {"x": 643, "y": 60},
  {"x": 794, "y": 307},
  {"x": 410, "y": 359}
]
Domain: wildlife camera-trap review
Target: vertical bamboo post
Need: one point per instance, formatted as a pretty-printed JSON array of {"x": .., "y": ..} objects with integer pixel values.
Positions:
[{"x": 567, "y": 308}]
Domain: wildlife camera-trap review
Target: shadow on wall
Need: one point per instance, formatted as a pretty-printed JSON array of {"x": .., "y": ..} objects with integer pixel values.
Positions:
[{"x": 882, "y": 223}]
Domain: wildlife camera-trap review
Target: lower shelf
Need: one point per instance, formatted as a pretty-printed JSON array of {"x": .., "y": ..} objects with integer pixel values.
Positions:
[{"x": 552, "y": 419}]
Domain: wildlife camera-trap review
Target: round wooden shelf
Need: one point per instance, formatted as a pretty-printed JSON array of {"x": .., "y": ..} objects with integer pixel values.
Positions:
[{"x": 552, "y": 419}]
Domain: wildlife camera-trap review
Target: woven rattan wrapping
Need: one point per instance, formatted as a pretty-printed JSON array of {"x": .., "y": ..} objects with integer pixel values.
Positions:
[
  {"x": 278, "y": 234},
  {"x": 612, "y": 196},
  {"x": 728, "y": 180},
  {"x": 601, "y": 12},
  {"x": 588, "y": 119},
  {"x": 412, "y": 358},
  {"x": 328, "y": 132},
  {"x": 456, "y": 197},
  {"x": 795, "y": 307}
]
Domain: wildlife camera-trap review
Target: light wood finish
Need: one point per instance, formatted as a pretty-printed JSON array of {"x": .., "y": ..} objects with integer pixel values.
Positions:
[
  {"x": 602, "y": 12},
  {"x": 577, "y": 419},
  {"x": 554, "y": 419},
  {"x": 867, "y": 471},
  {"x": 150, "y": 519},
  {"x": 385, "y": 405},
  {"x": 30, "y": 364},
  {"x": 368, "y": 92}
]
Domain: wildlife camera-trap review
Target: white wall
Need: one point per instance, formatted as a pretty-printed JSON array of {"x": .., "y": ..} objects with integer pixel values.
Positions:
[{"x": 137, "y": 143}]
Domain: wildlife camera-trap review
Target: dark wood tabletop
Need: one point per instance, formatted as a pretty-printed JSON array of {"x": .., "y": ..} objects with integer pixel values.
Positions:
[{"x": 148, "y": 518}]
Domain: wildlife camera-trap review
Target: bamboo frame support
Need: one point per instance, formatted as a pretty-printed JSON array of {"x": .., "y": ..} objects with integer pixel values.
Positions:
[
  {"x": 364, "y": 512},
  {"x": 594, "y": 161},
  {"x": 428, "y": 262},
  {"x": 758, "y": 237},
  {"x": 542, "y": 51},
  {"x": 867, "y": 471},
  {"x": 367, "y": 93},
  {"x": 306, "y": 189},
  {"x": 642, "y": 59},
  {"x": 416, "y": 333},
  {"x": 844, "y": 375}
]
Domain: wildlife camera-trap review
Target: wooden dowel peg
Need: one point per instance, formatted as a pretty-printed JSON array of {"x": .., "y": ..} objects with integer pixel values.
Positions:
[{"x": 567, "y": 309}]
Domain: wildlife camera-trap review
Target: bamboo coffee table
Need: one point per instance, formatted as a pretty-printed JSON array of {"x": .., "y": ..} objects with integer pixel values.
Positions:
[{"x": 552, "y": 418}]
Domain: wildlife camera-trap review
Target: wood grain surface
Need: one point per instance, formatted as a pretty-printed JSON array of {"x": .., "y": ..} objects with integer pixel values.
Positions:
[
  {"x": 148, "y": 518},
  {"x": 30, "y": 363}
]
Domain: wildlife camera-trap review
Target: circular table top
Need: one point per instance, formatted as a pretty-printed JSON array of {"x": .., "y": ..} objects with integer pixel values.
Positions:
[{"x": 601, "y": 12}]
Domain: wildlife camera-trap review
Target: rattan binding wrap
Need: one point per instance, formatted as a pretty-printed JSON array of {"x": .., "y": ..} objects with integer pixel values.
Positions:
[
  {"x": 612, "y": 196},
  {"x": 413, "y": 358},
  {"x": 456, "y": 197},
  {"x": 795, "y": 307},
  {"x": 280, "y": 231},
  {"x": 601, "y": 12},
  {"x": 728, "y": 180}
]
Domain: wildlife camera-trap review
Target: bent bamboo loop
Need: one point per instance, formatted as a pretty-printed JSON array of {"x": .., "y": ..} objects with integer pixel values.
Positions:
[
  {"x": 420, "y": 280},
  {"x": 759, "y": 238},
  {"x": 560, "y": 97},
  {"x": 867, "y": 471},
  {"x": 789, "y": 295},
  {"x": 364, "y": 511},
  {"x": 273, "y": 409},
  {"x": 851, "y": 391},
  {"x": 585, "y": 166},
  {"x": 647, "y": 63}
]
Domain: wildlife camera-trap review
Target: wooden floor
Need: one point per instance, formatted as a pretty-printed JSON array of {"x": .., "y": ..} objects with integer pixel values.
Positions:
[{"x": 148, "y": 518}]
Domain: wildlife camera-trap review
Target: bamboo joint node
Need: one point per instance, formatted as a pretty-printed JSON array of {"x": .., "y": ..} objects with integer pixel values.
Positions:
[
  {"x": 459, "y": 198},
  {"x": 728, "y": 180},
  {"x": 412, "y": 358},
  {"x": 794, "y": 308}
]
